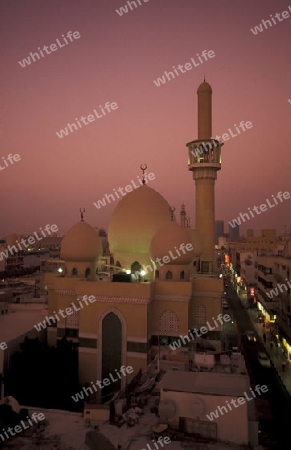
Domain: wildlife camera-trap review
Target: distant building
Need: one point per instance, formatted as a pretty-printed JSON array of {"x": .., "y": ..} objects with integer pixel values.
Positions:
[
  {"x": 14, "y": 261},
  {"x": 233, "y": 233},
  {"x": 265, "y": 244},
  {"x": 250, "y": 232},
  {"x": 219, "y": 230}
]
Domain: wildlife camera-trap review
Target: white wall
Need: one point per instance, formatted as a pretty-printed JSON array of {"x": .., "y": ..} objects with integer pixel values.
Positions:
[{"x": 231, "y": 426}]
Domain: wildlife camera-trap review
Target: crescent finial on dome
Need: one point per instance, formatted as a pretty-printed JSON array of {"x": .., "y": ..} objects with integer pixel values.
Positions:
[
  {"x": 82, "y": 210},
  {"x": 143, "y": 168}
]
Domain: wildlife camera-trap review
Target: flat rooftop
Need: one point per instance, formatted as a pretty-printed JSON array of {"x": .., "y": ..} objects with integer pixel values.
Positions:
[
  {"x": 19, "y": 322},
  {"x": 205, "y": 383}
]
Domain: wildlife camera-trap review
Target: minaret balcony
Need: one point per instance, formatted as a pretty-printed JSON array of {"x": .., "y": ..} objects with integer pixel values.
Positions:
[{"x": 204, "y": 153}]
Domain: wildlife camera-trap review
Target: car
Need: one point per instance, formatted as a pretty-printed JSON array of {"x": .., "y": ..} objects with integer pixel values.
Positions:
[
  {"x": 236, "y": 351},
  {"x": 224, "y": 304},
  {"x": 264, "y": 360},
  {"x": 251, "y": 337}
]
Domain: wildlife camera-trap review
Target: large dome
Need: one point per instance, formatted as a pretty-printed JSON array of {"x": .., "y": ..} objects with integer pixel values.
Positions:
[
  {"x": 167, "y": 238},
  {"x": 81, "y": 243},
  {"x": 136, "y": 219}
]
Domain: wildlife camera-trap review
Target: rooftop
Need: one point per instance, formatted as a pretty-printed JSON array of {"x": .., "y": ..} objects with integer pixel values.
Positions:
[
  {"x": 19, "y": 321},
  {"x": 205, "y": 383}
]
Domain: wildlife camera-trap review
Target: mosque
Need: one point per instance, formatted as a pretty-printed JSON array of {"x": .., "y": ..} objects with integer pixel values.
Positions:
[{"x": 137, "y": 310}]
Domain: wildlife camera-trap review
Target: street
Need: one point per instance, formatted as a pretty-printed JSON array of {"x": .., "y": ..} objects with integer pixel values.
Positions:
[{"x": 277, "y": 395}]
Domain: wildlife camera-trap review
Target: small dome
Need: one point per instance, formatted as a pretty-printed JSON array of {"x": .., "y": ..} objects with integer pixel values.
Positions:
[
  {"x": 166, "y": 239},
  {"x": 136, "y": 219},
  {"x": 204, "y": 87},
  {"x": 81, "y": 243},
  {"x": 196, "y": 241}
]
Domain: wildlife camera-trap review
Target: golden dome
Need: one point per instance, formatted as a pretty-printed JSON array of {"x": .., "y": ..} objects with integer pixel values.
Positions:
[
  {"x": 81, "y": 243},
  {"x": 136, "y": 219},
  {"x": 169, "y": 236}
]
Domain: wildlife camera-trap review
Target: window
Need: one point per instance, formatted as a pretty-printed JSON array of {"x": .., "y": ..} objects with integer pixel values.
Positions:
[
  {"x": 72, "y": 321},
  {"x": 200, "y": 318},
  {"x": 169, "y": 275},
  {"x": 157, "y": 274},
  {"x": 182, "y": 275},
  {"x": 169, "y": 323},
  {"x": 74, "y": 271}
]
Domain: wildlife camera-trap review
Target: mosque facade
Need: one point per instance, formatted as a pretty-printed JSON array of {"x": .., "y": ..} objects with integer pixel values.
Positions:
[{"x": 150, "y": 301}]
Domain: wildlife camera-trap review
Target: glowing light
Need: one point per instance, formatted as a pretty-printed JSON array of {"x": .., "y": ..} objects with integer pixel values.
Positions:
[
  {"x": 142, "y": 272},
  {"x": 60, "y": 270},
  {"x": 128, "y": 271}
]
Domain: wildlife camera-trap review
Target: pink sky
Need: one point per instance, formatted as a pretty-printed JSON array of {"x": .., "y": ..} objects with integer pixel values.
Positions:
[{"x": 116, "y": 59}]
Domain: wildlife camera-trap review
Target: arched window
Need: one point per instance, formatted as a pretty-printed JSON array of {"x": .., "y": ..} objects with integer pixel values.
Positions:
[
  {"x": 182, "y": 275},
  {"x": 72, "y": 321},
  {"x": 200, "y": 315},
  {"x": 87, "y": 272},
  {"x": 74, "y": 271},
  {"x": 157, "y": 274},
  {"x": 118, "y": 264},
  {"x": 194, "y": 263},
  {"x": 169, "y": 275},
  {"x": 135, "y": 267},
  {"x": 169, "y": 323}
]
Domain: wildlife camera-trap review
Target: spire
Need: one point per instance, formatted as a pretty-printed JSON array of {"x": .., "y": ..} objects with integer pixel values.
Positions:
[
  {"x": 172, "y": 210},
  {"x": 183, "y": 216},
  {"x": 82, "y": 210},
  {"x": 143, "y": 168}
]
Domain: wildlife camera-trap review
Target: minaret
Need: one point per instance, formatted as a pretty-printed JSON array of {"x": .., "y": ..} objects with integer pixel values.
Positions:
[
  {"x": 183, "y": 216},
  {"x": 204, "y": 161}
]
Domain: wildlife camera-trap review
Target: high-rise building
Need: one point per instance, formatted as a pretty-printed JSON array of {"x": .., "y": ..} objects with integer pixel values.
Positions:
[
  {"x": 219, "y": 230},
  {"x": 233, "y": 233}
]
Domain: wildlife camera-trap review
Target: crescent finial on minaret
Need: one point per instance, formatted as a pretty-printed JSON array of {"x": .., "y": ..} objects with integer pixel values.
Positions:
[{"x": 172, "y": 210}]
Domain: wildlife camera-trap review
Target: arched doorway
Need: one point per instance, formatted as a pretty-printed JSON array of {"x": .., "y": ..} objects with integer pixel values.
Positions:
[{"x": 111, "y": 353}]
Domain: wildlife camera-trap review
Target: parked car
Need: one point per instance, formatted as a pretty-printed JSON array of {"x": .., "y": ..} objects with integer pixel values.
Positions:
[
  {"x": 264, "y": 360},
  {"x": 236, "y": 351},
  {"x": 251, "y": 337}
]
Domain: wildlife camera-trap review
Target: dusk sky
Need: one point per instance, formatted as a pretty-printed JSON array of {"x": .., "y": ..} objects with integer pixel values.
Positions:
[{"x": 116, "y": 59}]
